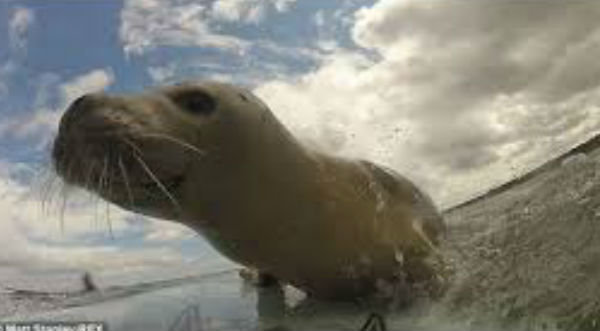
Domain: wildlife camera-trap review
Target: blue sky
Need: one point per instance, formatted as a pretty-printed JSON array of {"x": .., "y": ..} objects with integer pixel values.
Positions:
[
  {"x": 53, "y": 48},
  {"x": 458, "y": 96},
  {"x": 68, "y": 39}
]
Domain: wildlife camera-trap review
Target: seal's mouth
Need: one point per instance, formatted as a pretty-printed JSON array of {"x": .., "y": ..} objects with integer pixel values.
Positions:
[
  {"x": 116, "y": 161},
  {"x": 84, "y": 163},
  {"x": 143, "y": 181},
  {"x": 171, "y": 184},
  {"x": 130, "y": 151}
]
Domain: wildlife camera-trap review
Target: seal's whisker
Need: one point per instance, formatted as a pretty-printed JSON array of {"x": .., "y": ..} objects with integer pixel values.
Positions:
[
  {"x": 109, "y": 195},
  {"x": 44, "y": 191},
  {"x": 106, "y": 187},
  {"x": 100, "y": 188},
  {"x": 96, "y": 198},
  {"x": 49, "y": 195},
  {"x": 158, "y": 182},
  {"x": 133, "y": 146},
  {"x": 64, "y": 190},
  {"x": 39, "y": 183},
  {"x": 54, "y": 195},
  {"x": 137, "y": 155},
  {"x": 87, "y": 185},
  {"x": 91, "y": 168},
  {"x": 40, "y": 177},
  {"x": 42, "y": 180},
  {"x": 177, "y": 141},
  {"x": 109, "y": 220},
  {"x": 45, "y": 174},
  {"x": 126, "y": 181},
  {"x": 63, "y": 193}
]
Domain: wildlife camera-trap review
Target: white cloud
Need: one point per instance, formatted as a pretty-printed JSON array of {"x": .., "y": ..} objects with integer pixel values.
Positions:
[
  {"x": 283, "y": 5},
  {"x": 18, "y": 27},
  {"x": 316, "y": 106},
  {"x": 39, "y": 125},
  {"x": 240, "y": 10},
  {"x": 93, "y": 81},
  {"x": 43, "y": 208},
  {"x": 332, "y": 27},
  {"x": 166, "y": 231},
  {"x": 456, "y": 90},
  {"x": 42, "y": 122},
  {"x": 162, "y": 74},
  {"x": 248, "y": 11},
  {"x": 249, "y": 71},
  {"x": 146, "y": 24},
  {"x": 20, "y": 214},
  {"x": 33, "y": 237}
]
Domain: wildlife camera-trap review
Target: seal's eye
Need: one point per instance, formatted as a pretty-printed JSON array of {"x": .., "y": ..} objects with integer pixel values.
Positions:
[{"x": 196, "y": 102}]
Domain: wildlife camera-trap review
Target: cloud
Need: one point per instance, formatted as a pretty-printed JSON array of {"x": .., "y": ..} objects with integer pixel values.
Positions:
[
  {"x": 263, "y": 61},
  {"x": 248, "y": 11},
  {"x": 161, "y": 231},
  {"x": 147, "y": 24},
  {"x": 20, "y": 22},
  {"x": 51, "y": 99},
  {"x": 93, "y": 81},
  {"x": 207, "y": 41},
  {"x": 76, "y": 234},
  {"x": 18, "y": 27},
  {"x": 161, "y": 74},
  {"x": 450, "y": 92}
]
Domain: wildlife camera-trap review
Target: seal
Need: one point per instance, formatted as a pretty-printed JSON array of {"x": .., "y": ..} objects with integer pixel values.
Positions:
[{"x": 213, "y": 157}]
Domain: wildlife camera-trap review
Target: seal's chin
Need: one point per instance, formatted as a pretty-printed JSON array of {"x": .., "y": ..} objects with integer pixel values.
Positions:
[
  {"x": 135, "y": 191},
  {"x": 130, "y": 179},
  {"x": 145, "y": 179}
]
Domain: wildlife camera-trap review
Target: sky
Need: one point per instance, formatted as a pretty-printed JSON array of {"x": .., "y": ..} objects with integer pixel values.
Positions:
[{"x": 459, "y": 96}]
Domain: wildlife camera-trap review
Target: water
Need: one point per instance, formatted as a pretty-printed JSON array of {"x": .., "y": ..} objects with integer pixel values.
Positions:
[{"x": 529, "y": 257}]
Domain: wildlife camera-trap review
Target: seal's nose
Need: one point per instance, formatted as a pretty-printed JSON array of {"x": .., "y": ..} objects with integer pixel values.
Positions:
[
  {"x": 81, "y": 101},
  {"x": 78, "y": 108},
  {"x": 92, "y": 114}
]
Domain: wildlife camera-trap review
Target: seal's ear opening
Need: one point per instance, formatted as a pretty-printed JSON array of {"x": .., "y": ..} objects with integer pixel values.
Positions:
[{"x": 196, "y": 102}]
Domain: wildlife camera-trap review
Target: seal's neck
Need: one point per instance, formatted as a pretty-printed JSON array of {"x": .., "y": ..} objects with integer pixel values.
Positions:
[{"x": 249, "y": 182}]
